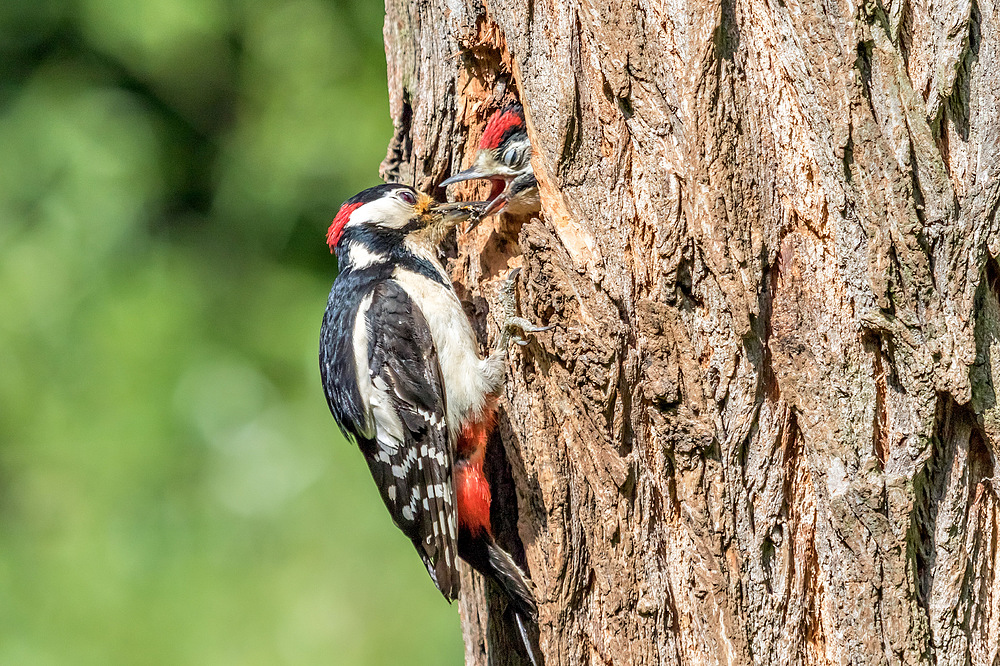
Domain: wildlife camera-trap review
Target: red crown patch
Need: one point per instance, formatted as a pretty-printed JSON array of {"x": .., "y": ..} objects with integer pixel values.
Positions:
[{"x": 497, "y": 125}]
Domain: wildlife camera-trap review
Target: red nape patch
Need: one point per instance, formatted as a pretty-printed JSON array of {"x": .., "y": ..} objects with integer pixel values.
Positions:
[
  {"x": 337, "y": 228},
  {"x": 499, "y": 122},
  {"x": 474, "y": 499}
]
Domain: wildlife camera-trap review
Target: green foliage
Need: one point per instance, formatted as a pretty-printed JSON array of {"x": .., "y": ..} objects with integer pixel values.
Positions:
[{"x": 173, "y": 489}]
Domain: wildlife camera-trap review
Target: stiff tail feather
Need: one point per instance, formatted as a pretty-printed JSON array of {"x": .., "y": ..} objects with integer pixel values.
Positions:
[
  {"x": 529, "y": 636},
  {"x": 512, "y": 580},
  {"x": 510, "y": 577},
  {"x": 496, "y": 564}
]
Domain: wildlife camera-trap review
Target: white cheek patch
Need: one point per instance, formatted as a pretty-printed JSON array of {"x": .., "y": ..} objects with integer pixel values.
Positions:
[{"x": 385, "y": 212}]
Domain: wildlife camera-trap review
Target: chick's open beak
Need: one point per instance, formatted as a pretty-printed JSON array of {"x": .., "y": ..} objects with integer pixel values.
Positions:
[
  {"x": 494, "y": 204},
  {"x": 498, "y": 188}
]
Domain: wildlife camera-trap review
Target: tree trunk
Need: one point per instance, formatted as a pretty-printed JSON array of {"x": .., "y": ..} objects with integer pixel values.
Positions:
[{"x": 764, "y": 429}]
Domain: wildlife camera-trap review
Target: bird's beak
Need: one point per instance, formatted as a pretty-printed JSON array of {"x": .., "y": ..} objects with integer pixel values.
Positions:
[
  {"x": 493, "y": 205},
  {"x": 469, "y": 174},
  {"x": 460, "y": 211}
]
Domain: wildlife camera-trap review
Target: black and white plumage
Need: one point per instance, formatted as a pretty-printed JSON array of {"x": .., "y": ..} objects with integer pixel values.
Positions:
[
  {"x": 504, "y": 158},
  {"x": 398, "y": 421},
  {"x": 412, "y": 460},
  {"x": 403, "y": 378},
  {"x": 380, "y": 365},
  {"x": 402, "y": 375}
]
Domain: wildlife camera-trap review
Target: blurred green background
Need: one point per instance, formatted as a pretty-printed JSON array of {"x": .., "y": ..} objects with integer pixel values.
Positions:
[{"x": 173, "y": 489}]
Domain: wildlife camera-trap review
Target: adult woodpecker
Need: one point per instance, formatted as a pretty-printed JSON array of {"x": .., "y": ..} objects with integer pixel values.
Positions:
[
  {"x": 504, "y": 157},
  {"x": 404, "y": 380}
]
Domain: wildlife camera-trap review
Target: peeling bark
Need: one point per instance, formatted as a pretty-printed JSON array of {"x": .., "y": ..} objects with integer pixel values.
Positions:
[{"x": 765, "y": 426}]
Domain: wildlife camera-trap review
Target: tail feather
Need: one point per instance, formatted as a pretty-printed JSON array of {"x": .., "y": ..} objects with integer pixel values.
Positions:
[
  {"x": 492, "y": 561},
  {"x": 529, "y": 636},
  {"x": 513, "y": 581},
  {"x": 510, "y": 577}
]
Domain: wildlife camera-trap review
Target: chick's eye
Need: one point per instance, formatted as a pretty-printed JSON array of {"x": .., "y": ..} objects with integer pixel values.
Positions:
[
  {"x": 510, "y": 157},
  {"x": 407, "y": 197}
]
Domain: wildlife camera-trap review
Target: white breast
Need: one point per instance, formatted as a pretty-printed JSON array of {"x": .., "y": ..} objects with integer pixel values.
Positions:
[{"x": 462, "y": 371}]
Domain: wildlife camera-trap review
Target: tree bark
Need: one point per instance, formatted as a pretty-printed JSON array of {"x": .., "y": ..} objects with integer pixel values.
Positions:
[{"x": 764, "y": 429}]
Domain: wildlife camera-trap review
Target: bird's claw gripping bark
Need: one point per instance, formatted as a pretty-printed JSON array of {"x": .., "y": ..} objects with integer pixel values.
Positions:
[{"x": 514, "y": 328}]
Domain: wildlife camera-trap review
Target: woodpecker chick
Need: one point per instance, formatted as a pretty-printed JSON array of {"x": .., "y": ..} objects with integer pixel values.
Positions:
[
  {"x": 403, "y": 378},
  {"x": 504, "y": 158}
]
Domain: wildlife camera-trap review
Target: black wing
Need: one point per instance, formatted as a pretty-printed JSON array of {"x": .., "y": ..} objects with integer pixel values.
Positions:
[
  {"x": 338, "y": 366},
  {"x": 411, "y": 456}
]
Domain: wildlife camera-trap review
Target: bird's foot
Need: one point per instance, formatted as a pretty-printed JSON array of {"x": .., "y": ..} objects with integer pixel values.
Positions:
[{"x": 514, "y": 327}]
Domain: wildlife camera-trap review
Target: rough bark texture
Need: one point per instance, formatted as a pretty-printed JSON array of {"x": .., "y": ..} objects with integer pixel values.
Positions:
[{"x": 765, "y": 428}]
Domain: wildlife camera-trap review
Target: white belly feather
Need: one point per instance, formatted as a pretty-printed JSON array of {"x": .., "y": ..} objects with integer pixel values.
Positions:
[{"x": 466, "y": 385}]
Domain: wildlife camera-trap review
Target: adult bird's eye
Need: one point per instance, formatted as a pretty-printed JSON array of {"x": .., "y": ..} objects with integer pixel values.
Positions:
[
  {"x": 407, "y": 197},
  {"x": 510, "y": 157}
]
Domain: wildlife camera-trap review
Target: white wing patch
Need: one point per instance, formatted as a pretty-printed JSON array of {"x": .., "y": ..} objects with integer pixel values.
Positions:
[{"x": 361, "y": 361}]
